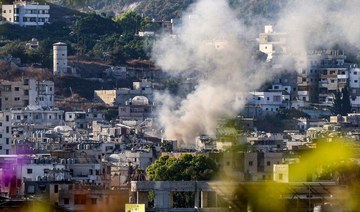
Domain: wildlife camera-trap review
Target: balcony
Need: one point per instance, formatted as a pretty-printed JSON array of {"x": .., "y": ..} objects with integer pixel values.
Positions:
[{"x": 342, "y": 76}]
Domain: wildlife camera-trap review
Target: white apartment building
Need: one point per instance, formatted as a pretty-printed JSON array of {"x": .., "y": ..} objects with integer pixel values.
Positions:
[
  {"x": 271, "y": 42},
  {"x": 354, "y": 88},
  {"x": 5, "y": 133},
  {"x": 41, "y": 93},
  {"x": 270, "y": 101},
  {"x": 19, "y": 94},
  {"x": 38, "y": 115},
  {"x": 26, "y": 13}
]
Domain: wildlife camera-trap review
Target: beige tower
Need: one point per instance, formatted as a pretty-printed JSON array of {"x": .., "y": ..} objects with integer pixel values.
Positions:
[{"x": 59, "y": 58}]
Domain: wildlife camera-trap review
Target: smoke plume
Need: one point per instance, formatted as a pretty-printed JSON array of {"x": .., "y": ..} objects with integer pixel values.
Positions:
[{"x": 211, "y": 40}]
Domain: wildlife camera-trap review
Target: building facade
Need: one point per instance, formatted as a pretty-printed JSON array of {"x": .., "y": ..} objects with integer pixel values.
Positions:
[
  {"x": 19, "y": 94},
  {"x": 25, "y": 13}
]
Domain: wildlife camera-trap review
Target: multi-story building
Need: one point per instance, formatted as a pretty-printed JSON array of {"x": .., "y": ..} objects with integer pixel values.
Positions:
[
  {"x": 324, "y": 72},
  {"x": 83, "y": 119},
  {"x": 272, "y": 43},
  {"x": 19, "y": 94},
  {"x": 26, "y": 13},
  {"x": 138, "y": 108},
  {"x": 143, "y": 88},
  {"x": 270, "y": 101},
  {"x": 5, "y": 133},
  {"x": 334, "y": 75},
  {"x": 354, "y": 88}
]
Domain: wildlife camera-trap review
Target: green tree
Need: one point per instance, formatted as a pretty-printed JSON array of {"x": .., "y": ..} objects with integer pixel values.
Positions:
[
  {"x": 337, "y": 107},
  {"x": 186, "y": 168},
  {"x": 346, "y": 104},
  {"x": 342, "y": 104},
  {"x": 130, "y": 22}
]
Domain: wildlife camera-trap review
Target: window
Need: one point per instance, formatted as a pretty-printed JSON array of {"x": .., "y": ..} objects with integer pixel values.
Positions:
[
  {"x": 17, "y": 98},
  {"x": 7, "y": 130},
  {"x": 31, "y": 189},
  {"x": 355, "y": 81},
  {"x": 66, "y": 201},
  {"x": 280, "y": 176},
  {"x": 250, "y": 163},
  {"x": 277, "y": 98},
  {"x": 29, "y": 171},
  {"x": 93, "y": 201},
  {"x": 18, "y": 117},
  {"x": 7, "y": 118},
  {"x": 56, "y": 189},
  {"x": 0, "y": 147},
  {"x": 355, "y": 72},
  {"x": 7, "y": 140},
  {"x": 0, "y": 135},
  {"x": 268, "y": 163},
  {"x": 80, "y": 199},
  {"x": 16, "y": 88}
]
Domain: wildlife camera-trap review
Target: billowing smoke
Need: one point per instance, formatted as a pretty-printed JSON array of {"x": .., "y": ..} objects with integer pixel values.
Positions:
[
  {"x": 211, "y": 40},
  {"x": 316, "y": 24}
]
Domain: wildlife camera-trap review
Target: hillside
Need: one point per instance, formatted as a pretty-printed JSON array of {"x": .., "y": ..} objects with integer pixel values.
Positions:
[{"x": 167, "y": 9}]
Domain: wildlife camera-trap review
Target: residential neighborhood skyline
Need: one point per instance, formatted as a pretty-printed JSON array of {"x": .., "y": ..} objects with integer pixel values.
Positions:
[{"x": 205, "y": 111}]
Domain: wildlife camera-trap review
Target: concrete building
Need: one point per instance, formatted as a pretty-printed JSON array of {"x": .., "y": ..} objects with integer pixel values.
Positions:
[
  {"x": 19, "y": 94},
  {"x": 37, "y": 115},
  {"x": 138, "y": 108},
  {"x": 83, "y": 119},
  {"x": 323, "y": 72},
  {"x": 60, "y": 64},
  {"x": 354, "y": 88},
  {"x": 107, "y": 97},
  {"x": 143, "y": 88},
  {"x": 269, "y": 101},
  {"x": 272, "y": 43},
  {"x": 44, "y": 93},
  {"x": 5, "y": 133},
  {"x": 26, "y": 13}
]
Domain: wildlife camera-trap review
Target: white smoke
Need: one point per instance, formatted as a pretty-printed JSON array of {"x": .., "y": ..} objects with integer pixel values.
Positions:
[
  {"x": 210, "y": 40},
  {"x": 316, "y": 24}
]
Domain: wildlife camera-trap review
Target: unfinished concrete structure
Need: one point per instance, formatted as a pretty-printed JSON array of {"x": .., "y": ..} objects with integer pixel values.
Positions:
[{"x": 236, "y": 196}]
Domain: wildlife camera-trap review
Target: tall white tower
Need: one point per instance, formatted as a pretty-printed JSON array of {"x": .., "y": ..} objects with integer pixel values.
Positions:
[{"x": 59, "y": 58}]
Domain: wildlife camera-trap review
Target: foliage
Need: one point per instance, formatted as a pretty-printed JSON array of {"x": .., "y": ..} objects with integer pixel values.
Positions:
[
  {"x": 291, "y": 113},
  {"x": 130, "y": 22},
  {"x": 186, "y": 167},
  {"x": 95, "y": 25},
  {"x": 346, "y": 105},
  {"x": 342, "y": 103},
  {"x": 337, "y": 102}
]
